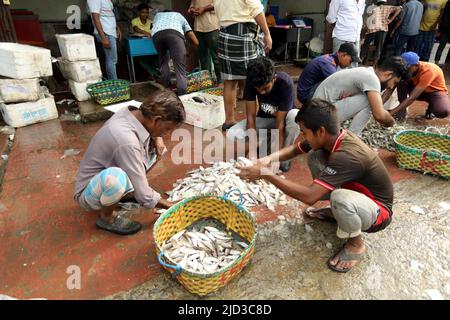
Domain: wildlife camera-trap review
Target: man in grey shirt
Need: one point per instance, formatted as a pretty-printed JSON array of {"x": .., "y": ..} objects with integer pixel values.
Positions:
[
  {"x": 119, "y": 156},
  {"x": 106, "y": 31},
  {"x": 356, "y": 92},
  {"x": 408, "y": 26}
]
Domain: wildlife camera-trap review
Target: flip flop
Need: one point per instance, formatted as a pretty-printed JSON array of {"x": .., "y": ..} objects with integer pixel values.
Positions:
[
  {"x": 227, "y": 126},
  {"x": 121, "y": 225},
  {"x": 322, "y": 216},
  {"x": 344, "y": 256}
]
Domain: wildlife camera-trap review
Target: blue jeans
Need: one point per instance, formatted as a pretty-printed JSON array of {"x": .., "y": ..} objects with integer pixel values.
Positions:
[
  {"x": 410, "y": 41},
  {"x": 110, "y": 56}
]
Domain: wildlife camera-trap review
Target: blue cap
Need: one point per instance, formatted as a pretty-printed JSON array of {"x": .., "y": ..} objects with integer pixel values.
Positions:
[{"x": 410, "y": 58}]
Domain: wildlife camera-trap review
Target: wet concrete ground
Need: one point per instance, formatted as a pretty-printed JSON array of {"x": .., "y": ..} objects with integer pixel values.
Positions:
[{"x": 43, "y": 232}]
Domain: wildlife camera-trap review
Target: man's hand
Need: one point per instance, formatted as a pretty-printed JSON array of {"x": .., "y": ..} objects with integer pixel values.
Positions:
[
  {"x": 200, "y": 11},
  {"x": 160, "y": 147},
  {"x": 119, "y": 34},
  {"x": 105, "y": 42},
  {"x": 164, "y": 204},
  {"x": 394, "y": 111},
  {"x": 267, "y": 42},
  {"x": 264, "y": 162},
  {"x": 253, "y": 173},
  {"x": 191, "y": 10}
]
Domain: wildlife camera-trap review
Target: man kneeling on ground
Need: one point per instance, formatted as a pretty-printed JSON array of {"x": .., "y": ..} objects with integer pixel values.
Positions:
[
  {"x": 120, "y": 154},
  {"x": 345, "y": 170},
  {"x": 269, "y": 100},
  {"x": 427, "y": 84}
]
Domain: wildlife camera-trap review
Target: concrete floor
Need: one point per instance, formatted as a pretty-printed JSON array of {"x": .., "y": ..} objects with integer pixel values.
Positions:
[{"x": 43, "y": 233}]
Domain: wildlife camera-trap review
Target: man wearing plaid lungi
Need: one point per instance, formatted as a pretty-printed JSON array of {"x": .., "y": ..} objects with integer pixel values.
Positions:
[{"x": 239, "y": 43}]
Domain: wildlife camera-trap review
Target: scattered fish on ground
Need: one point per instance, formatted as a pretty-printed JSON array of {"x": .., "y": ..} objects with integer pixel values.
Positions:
[{"x": 221, "y": 178}]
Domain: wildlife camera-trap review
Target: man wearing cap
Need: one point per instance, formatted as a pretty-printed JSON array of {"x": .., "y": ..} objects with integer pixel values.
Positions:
[
  {"x": 322, "y": 67},
  {"x": 356, "y": 92},
  {"x": 427, "y": 84}
]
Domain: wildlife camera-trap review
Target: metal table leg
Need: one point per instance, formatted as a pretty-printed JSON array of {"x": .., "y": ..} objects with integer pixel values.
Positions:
[
  {"x": 129, "y": 69},
  {"x": 132, "y": 68}
]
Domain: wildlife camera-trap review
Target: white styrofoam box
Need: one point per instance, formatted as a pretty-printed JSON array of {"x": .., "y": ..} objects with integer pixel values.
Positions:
[
  {"x": 12, "y": 91},
  {"x": 201, "y": 115},
  {"x": 19, "y": 61},
  {"x": 79, "y": 89},
  {"x": 80, "y": 71},
  {"x": 26, "y": 113},
  {"x": 77, "y": 46}
]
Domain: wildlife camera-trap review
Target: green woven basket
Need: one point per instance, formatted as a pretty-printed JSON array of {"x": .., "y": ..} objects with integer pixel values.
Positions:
[
  {"x": 110, "y": 91},
  {"x": 424, "y": 151}
]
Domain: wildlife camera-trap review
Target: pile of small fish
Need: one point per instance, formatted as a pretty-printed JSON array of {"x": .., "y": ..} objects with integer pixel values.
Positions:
[
  {"x": 379, "y": 137},
  {"x": 220, "y": 178},
  {"x": 204, "y": 100},
  {"x": 205, "y": 251}
]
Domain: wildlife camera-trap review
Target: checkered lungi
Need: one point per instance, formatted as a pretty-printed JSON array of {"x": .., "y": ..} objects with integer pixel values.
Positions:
[{"x": 238, "y": 44}]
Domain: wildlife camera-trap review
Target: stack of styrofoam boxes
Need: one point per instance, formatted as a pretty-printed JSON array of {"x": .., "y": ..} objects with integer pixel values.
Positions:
[
  {"x": 23, "y": 100},
  {"x": 79, "y": 63}
]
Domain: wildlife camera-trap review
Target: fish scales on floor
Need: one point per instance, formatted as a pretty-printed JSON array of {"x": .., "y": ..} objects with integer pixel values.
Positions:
[
  {"x": 220, "y": 178},
  {"x": 205, "y": 251}
]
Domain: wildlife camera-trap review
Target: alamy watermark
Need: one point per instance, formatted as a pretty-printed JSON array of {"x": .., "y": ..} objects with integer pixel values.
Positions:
[{"x": 73, "y": 281}]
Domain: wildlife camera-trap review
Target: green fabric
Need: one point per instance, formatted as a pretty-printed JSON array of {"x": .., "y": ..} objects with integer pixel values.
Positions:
[{"x": 207, "y": 51}]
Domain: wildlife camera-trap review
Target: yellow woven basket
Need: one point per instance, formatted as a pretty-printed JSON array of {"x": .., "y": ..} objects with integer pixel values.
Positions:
[
  {"x": 217, "y": 91},
  {"x": 424, "y": 151},
  {"x": 191, "y": 210}
]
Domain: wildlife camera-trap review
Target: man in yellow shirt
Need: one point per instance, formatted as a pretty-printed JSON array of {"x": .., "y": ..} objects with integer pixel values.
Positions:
[
  {"x": 433, "y": 10},
  {"x": 142, "y": 24}
]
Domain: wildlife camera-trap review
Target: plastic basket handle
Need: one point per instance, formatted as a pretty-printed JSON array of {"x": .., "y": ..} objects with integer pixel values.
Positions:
[
  {"x": 430, "y": 150},
  {"x": 225, "y": 197},
  {"x": 431, "y": 129},
  {"x": 431, "y": 166},
  {"x": 176, "y": 268}
]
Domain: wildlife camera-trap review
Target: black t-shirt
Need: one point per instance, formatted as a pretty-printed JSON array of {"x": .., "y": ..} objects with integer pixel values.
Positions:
[
  {"x": 354, "y": 165},
  {"x": 280, "y": 98}
]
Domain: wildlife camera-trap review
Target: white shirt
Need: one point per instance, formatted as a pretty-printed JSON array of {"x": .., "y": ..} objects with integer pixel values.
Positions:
[
  {"x": 107, "y": 18},
  {"x": 347, "y": 14}
]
